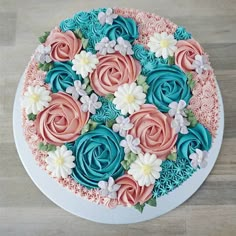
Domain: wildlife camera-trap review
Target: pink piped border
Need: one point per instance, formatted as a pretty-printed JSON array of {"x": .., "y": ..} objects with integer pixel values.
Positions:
[{"x": 204, "y": 102}]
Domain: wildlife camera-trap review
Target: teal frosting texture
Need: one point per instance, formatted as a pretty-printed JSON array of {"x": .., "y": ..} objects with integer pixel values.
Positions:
[
  {"x": 197, "y": 137},
  {"x": 98, "y": 156},
  {"x": 107, "y": 112},
  {"x": 167, "y": 84},
  {"x": 122, "y": 27},
  {"x": 61, "y": 76},
  {"x": 68, "y": 24},
  {"x": 182, "y": 34}
]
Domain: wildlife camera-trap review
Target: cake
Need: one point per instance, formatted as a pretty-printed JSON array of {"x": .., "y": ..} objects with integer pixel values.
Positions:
[{"x": 120, "y": 106}]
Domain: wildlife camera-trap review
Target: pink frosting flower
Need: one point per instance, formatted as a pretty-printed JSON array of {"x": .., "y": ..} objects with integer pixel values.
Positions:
[
  {"x": 186, "y": 52},
  {"x": 64, "y": 45},
  {"x": 153, "y": 128},
  {"x": 130, "y": 193},
  {"x": 62, "y": 121},
  {"x": 112, "y": 71}
]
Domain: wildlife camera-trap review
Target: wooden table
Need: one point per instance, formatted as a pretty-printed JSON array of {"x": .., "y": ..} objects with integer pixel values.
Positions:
[{"x": 24, "y": 210}]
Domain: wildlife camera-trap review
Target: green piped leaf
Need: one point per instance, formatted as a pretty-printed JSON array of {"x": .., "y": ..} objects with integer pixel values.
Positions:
[
  {"x": 47, "y": 147},
  {"x": 171, "y": 60},
  {"x": 86, "y": 81},
  {"x": 78, "y": 34},
  {"x": 45, "y": 66},
  {"x": 191, "y": 83},
  {"x": 31, "y": 116},
  {"x": 110, "y": 97},
  {"x": 88, "y": 89},
  {"x": 43, "y": 38},
  {"x": 85, "y": 43},
  {"x": 141, "y": 80},
  {"x": 128, "y": 160},
  {"x": 91, "y": 125},
  {"x": 110, "y": 123},
  {"x": 172, "y": 156},
  {"x": 152, "y": 202},
  {"x": 191, "y": 117},
  {"x": 139, "y": 207}
]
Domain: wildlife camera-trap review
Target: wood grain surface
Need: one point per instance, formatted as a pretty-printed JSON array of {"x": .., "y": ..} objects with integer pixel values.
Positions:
[{"x": 25, "y": 211}]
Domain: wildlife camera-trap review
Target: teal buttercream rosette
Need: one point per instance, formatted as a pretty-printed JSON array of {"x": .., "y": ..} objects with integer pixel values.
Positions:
[{"x": 98, "y": 156}]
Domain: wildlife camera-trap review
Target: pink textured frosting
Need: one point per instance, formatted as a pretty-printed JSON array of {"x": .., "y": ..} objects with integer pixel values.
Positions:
[
  {"x": 153, "y": 128},
  {"x": 112, "y": 71},
  {"x": 130, "y": 193},
  {"x": 186, "y": 52},
  {"x": 64, "y": 45},
  {"x": 62, "y": 121}
]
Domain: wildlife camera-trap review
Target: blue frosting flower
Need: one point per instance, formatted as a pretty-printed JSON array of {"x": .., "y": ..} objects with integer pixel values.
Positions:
[
  {"x": 82, "y": 18},
  {"x": 68, "y": 24},
  {"x": 122, "y": 27},
  {"x": 98, "y": 156},
  {"x": 61, "y": 76},
  {"x": 182, "y": 34},
  {"x": 197, "y": 137},
  {"x": 167, "y": 84}
]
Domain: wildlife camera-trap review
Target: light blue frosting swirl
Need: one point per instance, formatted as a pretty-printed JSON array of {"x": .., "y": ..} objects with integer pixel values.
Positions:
[
  {"x": 182, "y": 34},
  {"x": 61, "y": 76},
  {"x": 98, "y": 156},
  {"x": 197, "y": 137},
  {"x": 122, "y": 27},
  {"x": 167, "y": 84},
  {"x": 68, "y": 24}
]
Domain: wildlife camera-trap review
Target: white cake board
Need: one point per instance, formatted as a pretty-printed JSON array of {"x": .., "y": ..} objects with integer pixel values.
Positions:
[{"x": 99, "y": 213}]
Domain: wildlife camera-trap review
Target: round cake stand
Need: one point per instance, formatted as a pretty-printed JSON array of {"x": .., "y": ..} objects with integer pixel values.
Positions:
[{"x": 98, "y": 213}]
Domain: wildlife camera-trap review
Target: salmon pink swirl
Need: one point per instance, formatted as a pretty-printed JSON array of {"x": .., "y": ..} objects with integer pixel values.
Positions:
[
  {"x": 130, "y": 193},
  {"x": 64, "y": 45},
  {"x": 112, "y": 71},
  {"x": 186, "y": 52},
  {"x": 153, "y": 128},
  {"x": 62, "y": 121}
]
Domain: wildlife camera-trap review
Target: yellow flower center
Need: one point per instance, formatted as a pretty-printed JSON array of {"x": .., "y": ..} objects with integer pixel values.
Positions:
[
  {"x": 147, "y": 169},
  {"x": 130, "y": 98},
  {"x": 59, "y": 161},
  {"x": 85, "y": 61},
  {"x": 164, "y": 43},
  {"x": 35, "y": 97}
]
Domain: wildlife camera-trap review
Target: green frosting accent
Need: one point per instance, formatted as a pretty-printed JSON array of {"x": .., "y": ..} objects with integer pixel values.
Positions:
[
  {"x": 47, "y": 147},
  {"x": 191, "y": 118},
  {"x": 85, "y": 43},
  {"x": 128, "y": 160},
  {"x": 43, "y": 38},
  {"x": 171, "y": 60},
  {"x": 91, "y": 125},
  {"x": 139, "y": 207},
  {"x": 191, "y": 81},
  {"x": 122, "y": 27},
  {"x": 31, "y": 116},
  {"x": 142, "y": 82},
  {"x": 172, "y": 156},
  {"x": 106, "y": 112},
  {"x": 61, "y": 76},
  {"x": 152, "y": 202},
  {"x": 45, "y": 66},
  {"x": 167, "y": 84},
  {"x": 78, "y": 34},
  {"x": 182, "y": 34},
  {"x": 97, "y": 157},
  {"x": 197, "y": 137}
]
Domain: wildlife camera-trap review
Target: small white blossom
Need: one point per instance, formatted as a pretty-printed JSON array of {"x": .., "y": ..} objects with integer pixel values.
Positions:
[
  {"x": 43, "y": 54},
  {"x": 122, "y": 125},
  {"x": 105, "y": 46},
  {"x": 36, "y": 99},
  {"x": 201, "y": 63},
  {"x": 146, "y": 169},
  {"x": 84, "y": 63},
  {"x": 124, "y": 47},
  {"x": 179, "y": 124},
  {"x": 107, "y": 17},
  {"x": 131, "y": 144},
  {"x": 60, "y": 162},
  {"x": 129, "y": 98},
  {"x": 177, "y": 108},
  {"x": 90, "y": 103},
  {"x": 77, "y": 90},
  {"x": 199, "y": 159},
  {"x": 162, "y": 44},
  {"x": 109, "y": 188}
]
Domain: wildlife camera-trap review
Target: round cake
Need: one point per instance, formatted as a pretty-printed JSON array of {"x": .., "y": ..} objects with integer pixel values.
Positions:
[{"x": 120, "y": 106}]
